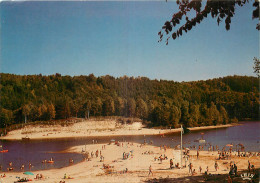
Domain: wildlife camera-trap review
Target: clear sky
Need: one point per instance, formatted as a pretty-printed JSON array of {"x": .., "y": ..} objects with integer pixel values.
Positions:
[{"x": 120, "y": 38}]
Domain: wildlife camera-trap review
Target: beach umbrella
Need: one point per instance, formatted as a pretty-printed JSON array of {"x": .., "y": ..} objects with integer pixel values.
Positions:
[{"x": 28, "y": 173}]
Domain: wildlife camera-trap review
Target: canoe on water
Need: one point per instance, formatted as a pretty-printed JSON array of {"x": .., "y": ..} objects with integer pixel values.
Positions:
[{"x": 4, "y": 151}]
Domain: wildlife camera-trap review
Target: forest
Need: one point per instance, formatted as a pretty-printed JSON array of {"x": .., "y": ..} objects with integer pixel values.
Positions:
[{"x": 32, "y": 98}]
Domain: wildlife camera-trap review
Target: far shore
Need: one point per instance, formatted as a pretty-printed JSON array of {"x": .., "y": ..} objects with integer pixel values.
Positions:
[{"x": 94, "y": 129}]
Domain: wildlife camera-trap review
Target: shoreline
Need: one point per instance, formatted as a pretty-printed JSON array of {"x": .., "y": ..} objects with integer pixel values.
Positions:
[
  {"x": 137, "y": 164},
  {"x": 62, "y": 132}
]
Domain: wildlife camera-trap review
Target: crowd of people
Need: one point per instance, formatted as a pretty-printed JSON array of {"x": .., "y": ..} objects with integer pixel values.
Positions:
[{"x": 190, "y": 160}]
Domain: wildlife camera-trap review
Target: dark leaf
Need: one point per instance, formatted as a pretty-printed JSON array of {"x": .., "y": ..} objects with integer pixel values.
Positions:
[
  {"x": 256, "y": 4},
  {"x": 180, "y": 31},
  {"x": 222, "y": 15},
  {"x": 174, "y": 35},
  {"x": 258, "y": 26},
  {"x": 232, "y": 9},
  {"x": 218, "y": 20},
  {"x": 228, "y": 20},
  {"x": 189, "y": 26},
  {"x": 256, "y": 13},
  {"x": 212, "y": 14},
  {"x": 227, "y": 26}
]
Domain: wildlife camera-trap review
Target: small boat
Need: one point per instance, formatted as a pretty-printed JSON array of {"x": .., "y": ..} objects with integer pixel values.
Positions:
[
  {"x": 4, "y": 151},
  {"x": 202, "y": 141}
]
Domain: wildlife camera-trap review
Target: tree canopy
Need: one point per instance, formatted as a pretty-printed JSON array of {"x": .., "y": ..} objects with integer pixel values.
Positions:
[
  {"x": 219, "y": 9},
  {"x": 157, "y": 102}
]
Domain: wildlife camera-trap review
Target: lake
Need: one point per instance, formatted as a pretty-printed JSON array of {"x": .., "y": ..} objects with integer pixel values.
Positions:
[{"x": 34, "y": 151}]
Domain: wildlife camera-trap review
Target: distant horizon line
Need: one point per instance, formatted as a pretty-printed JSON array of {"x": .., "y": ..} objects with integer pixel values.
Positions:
[{"x": 135, "y": 77}]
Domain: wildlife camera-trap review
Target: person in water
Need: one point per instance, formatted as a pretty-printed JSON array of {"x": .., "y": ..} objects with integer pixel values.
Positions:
[
  {"x": 22, "y": 167},
  {"x": 71, "y": 160}
]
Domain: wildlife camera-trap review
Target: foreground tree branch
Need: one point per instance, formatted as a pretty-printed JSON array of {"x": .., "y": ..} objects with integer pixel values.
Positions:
[{"x": 221, "y": 10}]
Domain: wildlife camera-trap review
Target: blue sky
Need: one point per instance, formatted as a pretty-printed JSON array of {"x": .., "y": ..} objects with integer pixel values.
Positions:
[{"x": 120, "y": 38}]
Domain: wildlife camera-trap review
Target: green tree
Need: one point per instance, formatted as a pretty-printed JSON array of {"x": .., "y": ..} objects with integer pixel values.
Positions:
[
  {"x": 185, "y": 113},
  {"x": 109, "y": 107},
  {"x": 66, "y": 113},
  {"x": 224, "y": 115},
  {"x": 131, "y": 106},
  {"x": 87, "y": 107},
  {"x": 6, "y": 117},
  {"x": 194, "y": 115},
  {"x": 96, "y": 107},
  {"x": 26, "y": 109},
  {"x": 141, "y": 109},
  {"x": 175, "y": 116},
  {"x": 213, "y": 115},
  {"x": 120, "y": 106},
  {"x": 51, "y": 112},
  {"x": 77, "y": 104}
]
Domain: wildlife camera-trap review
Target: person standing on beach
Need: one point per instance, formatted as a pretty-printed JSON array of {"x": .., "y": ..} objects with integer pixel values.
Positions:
[
  {"x": 150, "y": 170},
  {"x": 235, "y": 168},
  {"x": 198, "y": 154},
  {"x": 216, "y": 166},
  {"x": 186, "y": 159},
  {"x": 171, "y": 164},
  {"x": 190, "y": 168},
  {"x": 249, "y": 166},
  {"x": 200, "y": 169},
  {"x": 229, "y": 179}
]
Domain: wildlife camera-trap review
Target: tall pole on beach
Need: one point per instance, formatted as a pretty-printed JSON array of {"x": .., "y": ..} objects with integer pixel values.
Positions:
[{"x": 181, "y": 144}]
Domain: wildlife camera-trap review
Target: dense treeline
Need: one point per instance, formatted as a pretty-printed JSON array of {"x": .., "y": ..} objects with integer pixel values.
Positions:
[{"x": 158, "y": 102}]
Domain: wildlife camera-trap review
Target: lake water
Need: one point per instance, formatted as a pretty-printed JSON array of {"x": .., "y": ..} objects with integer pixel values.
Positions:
[{"x": 34, "y": 151}]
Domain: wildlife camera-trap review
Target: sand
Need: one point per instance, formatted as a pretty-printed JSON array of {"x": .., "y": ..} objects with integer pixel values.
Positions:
[
  {"x": 137, "y": 164},
  {"x": 92, "y": 129}
]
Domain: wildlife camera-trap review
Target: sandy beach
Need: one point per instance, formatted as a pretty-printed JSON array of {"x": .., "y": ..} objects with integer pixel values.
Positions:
[
  {"x": 113, "y": 167},
  {"x": 92, "y": 129},
  {"x": 139, "y": 159}
]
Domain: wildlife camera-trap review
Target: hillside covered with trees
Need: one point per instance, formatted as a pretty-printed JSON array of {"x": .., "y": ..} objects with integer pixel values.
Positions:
[{"x": 156, "y": 102}]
